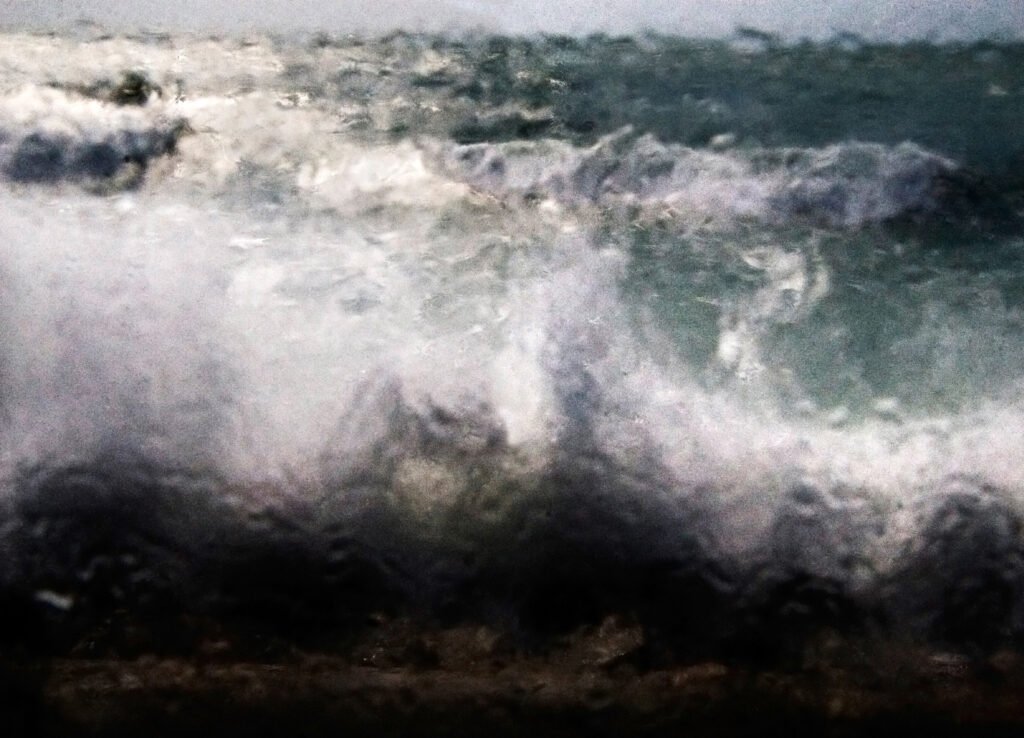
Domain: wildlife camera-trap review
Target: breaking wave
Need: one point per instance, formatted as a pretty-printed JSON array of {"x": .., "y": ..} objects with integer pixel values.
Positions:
[
  {"x": 274, "y": 353},
  {"x": 844, "y": 185}
]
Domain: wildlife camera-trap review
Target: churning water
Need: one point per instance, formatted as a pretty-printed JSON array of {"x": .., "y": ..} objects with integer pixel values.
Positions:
[{"x": 723, "y": 335}]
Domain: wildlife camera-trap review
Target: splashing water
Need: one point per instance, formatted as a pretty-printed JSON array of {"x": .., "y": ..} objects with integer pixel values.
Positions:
[{"x": 411, "y": 314}]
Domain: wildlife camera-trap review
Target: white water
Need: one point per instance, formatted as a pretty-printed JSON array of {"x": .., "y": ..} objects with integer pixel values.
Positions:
[{"x": 304, "y": 314}]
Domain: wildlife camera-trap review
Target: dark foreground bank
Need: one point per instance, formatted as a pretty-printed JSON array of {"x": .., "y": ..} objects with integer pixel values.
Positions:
[{"x": 466, "y": 686}]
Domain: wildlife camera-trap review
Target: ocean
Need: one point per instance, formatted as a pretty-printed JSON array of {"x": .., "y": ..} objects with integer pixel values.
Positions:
[{"x": 724, "y": 337}]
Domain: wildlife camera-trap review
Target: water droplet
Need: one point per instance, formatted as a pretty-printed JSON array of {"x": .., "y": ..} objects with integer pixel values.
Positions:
[{"x": 56, "y": 600}]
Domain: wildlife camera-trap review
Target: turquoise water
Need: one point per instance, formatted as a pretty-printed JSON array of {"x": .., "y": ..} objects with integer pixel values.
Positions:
[{"x": 520, "y": 330}]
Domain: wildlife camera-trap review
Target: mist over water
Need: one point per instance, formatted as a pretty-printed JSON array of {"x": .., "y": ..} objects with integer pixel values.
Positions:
[
  {"x": 873, "y": 19},
  {"x": 527, "y": 331}
]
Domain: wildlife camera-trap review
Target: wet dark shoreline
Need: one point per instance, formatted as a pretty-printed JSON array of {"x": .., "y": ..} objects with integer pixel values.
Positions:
[{"x": 560, "y": 693}]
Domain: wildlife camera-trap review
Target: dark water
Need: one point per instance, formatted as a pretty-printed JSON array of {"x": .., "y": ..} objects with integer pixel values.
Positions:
[{"x": 721, "y": 336}]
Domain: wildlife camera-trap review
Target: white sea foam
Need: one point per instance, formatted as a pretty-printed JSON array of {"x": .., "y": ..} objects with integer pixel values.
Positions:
[
  {"x": 849, "y": 184},
  {"x": 301, "y": 312}
]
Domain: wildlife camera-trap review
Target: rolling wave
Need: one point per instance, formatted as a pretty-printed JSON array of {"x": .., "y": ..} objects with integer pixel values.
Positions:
[{"x": 278, "y": 353}]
